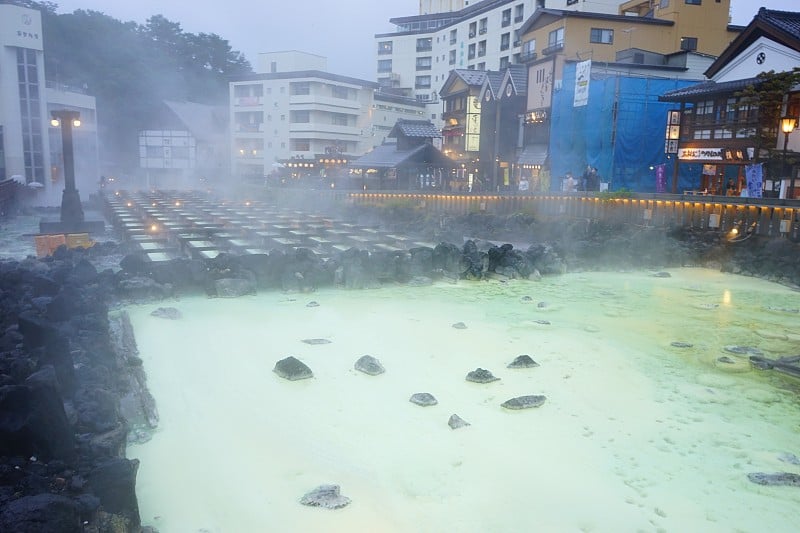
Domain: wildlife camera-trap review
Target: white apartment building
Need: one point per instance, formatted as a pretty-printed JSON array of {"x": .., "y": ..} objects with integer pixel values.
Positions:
[
  {"x": 295, "y": 110},
  {"x": 417, "y": 58},
  {"x": 30, "y": 149}
]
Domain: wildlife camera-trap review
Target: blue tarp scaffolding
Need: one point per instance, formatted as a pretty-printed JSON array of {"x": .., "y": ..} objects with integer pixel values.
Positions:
[{"x": 621, "y": 131}]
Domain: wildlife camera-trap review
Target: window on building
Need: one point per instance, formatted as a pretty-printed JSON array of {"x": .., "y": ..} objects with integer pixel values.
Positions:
[
  {"x": 384, "y": 65},
  {"x": 424, "y": 63},
  {"x": 702, "y": 134},
  {"x": 519, "y": 12},
  {"x": 422, "y": 82},
  {"x": 384, "y": 47},
  {"x": 337, "y": 91},
  {"x": 424, "y": 44},
  {"x": 453, "y": 36},
  {"x": 483, "y": 25},
  {"x": 529, "y": 49},
  {"x": 29, "y": 104},
  {"x": 689, "y": 43},
  {"x": 504, "y": 63},
  {"x": 601, "y": 36},
  {"x": 694, "y": 2},
  {"x": 300, "y": 88},
  {"x": 339, "y": 119},
  {"x": 556, "y": 37},
  {"x": 451, "y": 57},
  {"x": 481, "y": 66},
  {"x": 301, "y": 145},
  {"x": 723, "y": 133},
  {"x": 505, "y": 18},
  {"x": 471, "y": 51},
  {"x": 473, "y": 29},
  {"x": 300, "y": 117},
  {"x": 505, "y": 41},
  {"x": 481, "y": 48},
  {"x": 273, "y": 66}
]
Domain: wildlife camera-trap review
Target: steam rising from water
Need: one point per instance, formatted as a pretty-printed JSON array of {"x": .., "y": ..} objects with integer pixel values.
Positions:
[{"x": 636, "y": 434}]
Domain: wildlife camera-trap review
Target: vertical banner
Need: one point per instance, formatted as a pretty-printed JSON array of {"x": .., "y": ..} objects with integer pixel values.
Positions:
[
  {"x": 661, "y": 178},
  {"x": 753, "y": 173},
  {"x": 583, "y": 71}
]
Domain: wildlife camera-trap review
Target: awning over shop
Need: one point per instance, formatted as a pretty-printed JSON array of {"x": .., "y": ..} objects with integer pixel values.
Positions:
[{"x": 533, "y": 154}]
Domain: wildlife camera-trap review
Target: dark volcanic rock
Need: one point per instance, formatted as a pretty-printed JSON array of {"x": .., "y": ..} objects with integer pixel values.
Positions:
[
  {"x": 369, "y": 365},
  {"x": 460, "y": 325},
  {"x": 679, "y": 344},
  {"x": 170, "y": 313},
  {"x": 524, "y": 402},
  {"x": 456, "y": 422},
  {"x": 316, "y": 341},
  {"x": 326, "y": 496},
  {"x": 778, "y": 478},
  {"x": 42, "y": 512},
  {"x": 114, "y": 482},
  {"x": 523, "y": 361},
  {"x": 292, "y": 369},
  {"x": 424, "y": 399},
  {"x": 480, "y": 375},
  {"x": 33, "y": 420},
  {"x": 234, "y": 287}
]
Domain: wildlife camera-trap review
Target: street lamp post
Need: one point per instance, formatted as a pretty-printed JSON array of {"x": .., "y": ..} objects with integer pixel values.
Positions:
[
  {"x": 71, "y": 209},
  {"x": 788, "y": 124},
  {"x": 72, "y": 219}
]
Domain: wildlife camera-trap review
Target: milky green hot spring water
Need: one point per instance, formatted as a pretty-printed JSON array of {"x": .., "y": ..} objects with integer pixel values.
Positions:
[{"x": 635, "y": 435}]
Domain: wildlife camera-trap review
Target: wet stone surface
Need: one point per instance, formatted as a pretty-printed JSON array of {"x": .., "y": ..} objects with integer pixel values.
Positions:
[
  {"x": 523, "y": 361},
  {"x": 325, "y": 496},
  {"x": 292, "y": 369},
  {"x": 481, "y": 375},
  {"x": 369, "y": 365},
  {"x": 424, "y": 399},
  {"x": 524, "y": 402}
]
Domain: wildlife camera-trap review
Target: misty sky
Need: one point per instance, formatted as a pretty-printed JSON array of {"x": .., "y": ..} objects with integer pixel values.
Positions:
[{"x": 342, "y": 31}]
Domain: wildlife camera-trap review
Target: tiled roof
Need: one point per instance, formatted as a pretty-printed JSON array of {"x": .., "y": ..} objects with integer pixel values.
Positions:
[
  {"x": 707, "y": 88},
  {"x": 519, "y": 76},
  {"x": 494, "y": 78},
  {"x": 470, "y": 76},
  {"x": 533, "y": 154},
  {"x": 414, "y": 128},
  {"x": 787, "y": 21},
  {"x": 385, "y": 156}
]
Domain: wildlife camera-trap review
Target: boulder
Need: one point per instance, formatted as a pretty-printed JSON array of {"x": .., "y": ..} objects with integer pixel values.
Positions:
[
  {"x": 779, "y": 478},
  {"x": 456, "y": 422},
  {"x": 292, "y": 369},
  {"x": 424, "y": 399},
  {"x": 524, "y": 402},
  {"x": 234, "y": 287},
  {"x": 169, "y": 313},
  {"x": 523, "y": 361},
  {"x": 41, "y": 512},
  {"x": 480, "y": 375},
  {"x": 325, "y": 496},
  {"x": 369, "y": 365},
  {"x": 114, "y": 483}
]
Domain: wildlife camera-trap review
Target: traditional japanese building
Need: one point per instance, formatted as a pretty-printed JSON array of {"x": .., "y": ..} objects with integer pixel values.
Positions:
[{"x": 720, "y": 123}]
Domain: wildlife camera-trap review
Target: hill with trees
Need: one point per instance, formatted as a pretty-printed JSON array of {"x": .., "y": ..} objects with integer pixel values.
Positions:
[{"x": 132, "y": 68}]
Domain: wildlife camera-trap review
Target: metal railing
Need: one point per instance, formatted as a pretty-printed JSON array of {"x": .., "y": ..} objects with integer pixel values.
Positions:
[{"x": 768, "y": 217}]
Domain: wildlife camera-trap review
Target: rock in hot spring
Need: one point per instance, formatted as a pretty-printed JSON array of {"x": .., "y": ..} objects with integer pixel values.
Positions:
[
  {"x": 292, "y": 369},
  {"x": 369, "y": 365},
  {"x": 326, "y": 496},
  {"x": 524, "y": 402}
]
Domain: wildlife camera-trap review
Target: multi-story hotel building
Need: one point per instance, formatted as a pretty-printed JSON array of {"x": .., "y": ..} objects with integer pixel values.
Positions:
[
  {"x": 416, "y": 59},
  {"x": 295, "y": 113}
]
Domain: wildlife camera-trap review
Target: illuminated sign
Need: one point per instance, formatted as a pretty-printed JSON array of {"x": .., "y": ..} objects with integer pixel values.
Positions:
[{"x": 701, "y": 154}]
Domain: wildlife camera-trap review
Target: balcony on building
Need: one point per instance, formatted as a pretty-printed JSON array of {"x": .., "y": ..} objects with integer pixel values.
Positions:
[{"x": 553, "y": 49}]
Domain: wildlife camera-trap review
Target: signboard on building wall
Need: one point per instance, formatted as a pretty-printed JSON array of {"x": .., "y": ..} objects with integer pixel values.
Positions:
[
  {"x": 473, "y": 130},
  {"x": 540, "y": 85},
  {"x": 20, "y": 27},
  {"x": 583, "y": 72},
  {"x": 700, "y": 154}
]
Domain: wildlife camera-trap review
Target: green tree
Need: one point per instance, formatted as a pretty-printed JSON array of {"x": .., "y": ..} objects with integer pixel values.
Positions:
[{"x": 768, "y": 96}]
